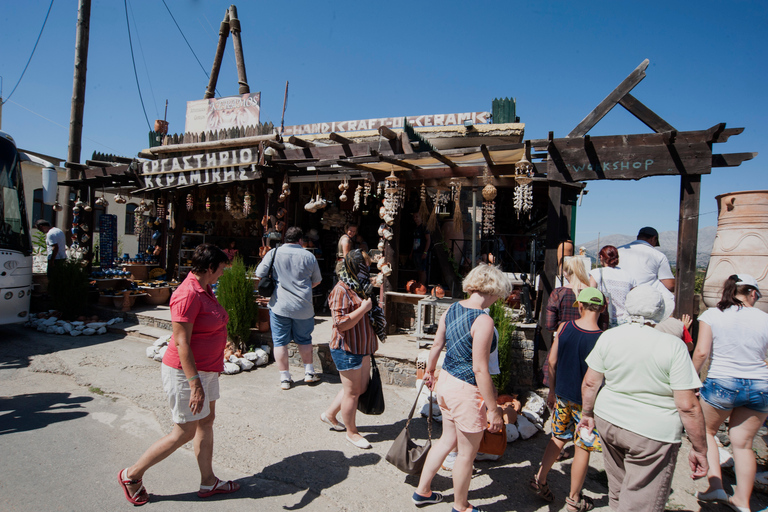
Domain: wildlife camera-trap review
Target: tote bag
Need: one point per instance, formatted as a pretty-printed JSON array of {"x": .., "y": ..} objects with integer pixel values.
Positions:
[{"x": 405, "y": 454}]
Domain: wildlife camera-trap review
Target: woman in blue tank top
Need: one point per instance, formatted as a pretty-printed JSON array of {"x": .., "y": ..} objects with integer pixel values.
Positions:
[{"x": 464, "y": 386}]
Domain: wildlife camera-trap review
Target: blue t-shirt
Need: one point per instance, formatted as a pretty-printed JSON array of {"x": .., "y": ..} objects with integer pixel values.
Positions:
[
  {"x": 458, "y": 342},
  {"x": 573, "y": 346}
]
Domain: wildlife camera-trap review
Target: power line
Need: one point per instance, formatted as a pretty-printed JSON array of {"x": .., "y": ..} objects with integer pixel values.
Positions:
[
  {"x": 33, "y": 52},
  {"x": 144, "y": 60},
  {"x": 185, "y": 40},
  {"x": 133, "y": 60}
]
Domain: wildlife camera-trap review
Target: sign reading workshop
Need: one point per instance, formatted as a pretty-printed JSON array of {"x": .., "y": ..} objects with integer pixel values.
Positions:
[{"x": 207, "y": 168}]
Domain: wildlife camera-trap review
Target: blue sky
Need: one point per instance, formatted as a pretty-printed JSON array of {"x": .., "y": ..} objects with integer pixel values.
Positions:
[{"x": 358, "y": 60}]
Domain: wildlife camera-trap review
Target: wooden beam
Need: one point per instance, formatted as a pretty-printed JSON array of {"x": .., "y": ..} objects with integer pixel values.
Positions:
[
  {"x": 335, "y": 137},
  {"x": 276, "y": 145},
  {"x": 447, "y": 161},
  {"x": 387, "y": 133},
  {"x": 731, "y": 159},
  {"x": 487, "y": 156},
  {"x": 395, "y": 161},
  {"x": 405, "y": 142},
  {"x": 645, "y": 114},
  {"x": 687, "y": 240},
  {"x": 610, "y": 101},
  {"x": 300, "y": 142}
]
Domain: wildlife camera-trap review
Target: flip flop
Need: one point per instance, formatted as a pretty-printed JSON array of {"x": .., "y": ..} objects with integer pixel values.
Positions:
[
  {"x": 140, "y": 497},
  {"x": 220, "y": 487}
]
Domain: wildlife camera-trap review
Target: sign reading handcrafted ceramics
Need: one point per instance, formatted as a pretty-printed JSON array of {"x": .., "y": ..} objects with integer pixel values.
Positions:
[
  {"x": 219, "y": 167},
  {"x": 215, "y": 114},
  {"x": 389, "y": 122}
]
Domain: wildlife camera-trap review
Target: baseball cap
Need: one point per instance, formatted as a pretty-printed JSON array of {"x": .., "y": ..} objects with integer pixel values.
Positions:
[
  {"x": 648, "y": 231},
  {"x": 590, "y": 296},
  {"x": 746, "y": 279}
]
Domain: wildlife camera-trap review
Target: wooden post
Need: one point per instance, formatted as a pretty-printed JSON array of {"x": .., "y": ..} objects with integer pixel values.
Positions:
[
  {"x": 179, "y": 218},
  {"x": 210, "y": 91},
  {"x": 234, "y": 27},
  {"x": 78, "y": 100},
  {"x": 687, "y": 241}
]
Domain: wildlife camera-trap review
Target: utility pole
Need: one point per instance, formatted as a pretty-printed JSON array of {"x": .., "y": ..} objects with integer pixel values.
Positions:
[{"x": 78, "y": 102}]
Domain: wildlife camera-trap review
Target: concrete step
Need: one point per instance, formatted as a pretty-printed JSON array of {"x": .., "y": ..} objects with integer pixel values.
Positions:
[{"x": 145, "y": 332}]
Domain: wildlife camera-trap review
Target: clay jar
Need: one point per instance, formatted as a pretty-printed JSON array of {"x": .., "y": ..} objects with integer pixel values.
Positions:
[{"x": 741, "y": 243}]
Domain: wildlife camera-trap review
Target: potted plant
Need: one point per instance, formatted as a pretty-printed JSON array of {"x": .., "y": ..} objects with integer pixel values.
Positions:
[{"x": 235, "y": 294}]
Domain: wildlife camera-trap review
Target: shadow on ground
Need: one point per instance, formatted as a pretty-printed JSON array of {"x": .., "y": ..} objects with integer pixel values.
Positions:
[{"x": 30, "y": 412}]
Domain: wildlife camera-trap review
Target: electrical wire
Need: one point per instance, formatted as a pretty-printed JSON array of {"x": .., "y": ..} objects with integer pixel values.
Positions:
[
  {"x": 185, "y": 40},
  {"x": 33, "y": 52},
  {"x": 133, "y": 60},
  {"x": 144, "y": 60}
]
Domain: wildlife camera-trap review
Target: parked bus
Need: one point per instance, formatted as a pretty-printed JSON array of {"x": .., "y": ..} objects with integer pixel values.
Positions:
[{"x": 15, "y": 237}]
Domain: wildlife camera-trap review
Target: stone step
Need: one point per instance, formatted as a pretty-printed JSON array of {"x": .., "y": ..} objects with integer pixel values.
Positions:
[{"x": 145, "y": 332}]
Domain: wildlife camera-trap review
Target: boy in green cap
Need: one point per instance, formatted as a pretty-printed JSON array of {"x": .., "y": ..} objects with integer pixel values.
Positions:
[{"x": 573, "y": 342}]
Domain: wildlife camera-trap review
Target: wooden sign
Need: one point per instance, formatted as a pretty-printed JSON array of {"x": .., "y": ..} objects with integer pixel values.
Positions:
[
  {"x": 617, "y": 158},
  {"x": 201, "y": 169},
  {"x": 389, "y": 122}
]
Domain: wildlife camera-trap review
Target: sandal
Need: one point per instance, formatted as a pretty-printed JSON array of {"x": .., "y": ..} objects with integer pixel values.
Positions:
[
  {"x": 541, "y": 490},
  {"x": 220, "y": 487},
  {"x": 583, "y": 505},
  {"x": 140, "y": 497}
]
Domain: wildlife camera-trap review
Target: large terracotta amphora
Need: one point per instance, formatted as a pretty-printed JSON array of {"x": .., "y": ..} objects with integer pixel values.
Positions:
[{"x": 741, "y": 243}]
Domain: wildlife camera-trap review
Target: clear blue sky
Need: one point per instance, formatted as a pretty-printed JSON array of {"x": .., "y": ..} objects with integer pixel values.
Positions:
[{"x": 357, "y": 60}]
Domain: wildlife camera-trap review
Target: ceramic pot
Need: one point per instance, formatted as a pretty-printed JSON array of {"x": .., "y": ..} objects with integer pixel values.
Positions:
[{"x": 741, "y": 243}]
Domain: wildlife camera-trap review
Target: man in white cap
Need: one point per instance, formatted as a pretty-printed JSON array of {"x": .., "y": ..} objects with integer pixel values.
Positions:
[{"x": 649, "y": 395}]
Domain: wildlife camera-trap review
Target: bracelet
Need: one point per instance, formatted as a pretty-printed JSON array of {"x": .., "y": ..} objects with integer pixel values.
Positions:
[{"x": 195, "y": 376}]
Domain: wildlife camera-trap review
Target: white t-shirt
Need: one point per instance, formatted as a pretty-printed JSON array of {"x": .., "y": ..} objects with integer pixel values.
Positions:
[
  {"x": 614, "y": 283},
  {"x": 55, "y": 236},
  {"x": 739, "y": 342},
  {"x": 642, "y": 368},
  {"x": 644, "y": 263}
]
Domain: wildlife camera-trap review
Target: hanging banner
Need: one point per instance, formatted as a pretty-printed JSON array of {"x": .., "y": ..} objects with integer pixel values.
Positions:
[{"x": 215, "y": 114}]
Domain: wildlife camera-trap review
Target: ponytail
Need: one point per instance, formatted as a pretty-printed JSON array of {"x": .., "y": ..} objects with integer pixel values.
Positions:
[{"x": 730, "y": 290}]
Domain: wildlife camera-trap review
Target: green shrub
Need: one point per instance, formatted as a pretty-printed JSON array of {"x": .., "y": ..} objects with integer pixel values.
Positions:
[
  {"x": 235, "y": 294},
  {"x": 504, "y": 325},
  {"x": 68, "y": 288}
]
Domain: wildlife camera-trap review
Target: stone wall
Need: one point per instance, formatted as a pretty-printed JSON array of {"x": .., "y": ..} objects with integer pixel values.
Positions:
[{"x": 522, "y": 358}]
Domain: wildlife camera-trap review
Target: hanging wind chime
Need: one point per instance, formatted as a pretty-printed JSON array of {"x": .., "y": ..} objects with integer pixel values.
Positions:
[
  {"x": 190, "y": 202},
  {"x": 489, "y": 206},
  {"x": 423, "y": 208},
  {"x": 358, "y": 197},
  {"x": 523, "y": 197},
  {"x": 138, "y": 218},
  {"x": 247, "y": 203},
  {"x": 228, "y": 202},
  {"x": 458, "y": 224},
  {"x": 207, "y": 204}
]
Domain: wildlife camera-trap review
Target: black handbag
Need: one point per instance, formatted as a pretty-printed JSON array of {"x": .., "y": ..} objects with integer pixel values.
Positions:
[
  {"x": 266, "y": 283},
  {"x": 371, "y": 401},
  {"x": 406, "y": 455}
]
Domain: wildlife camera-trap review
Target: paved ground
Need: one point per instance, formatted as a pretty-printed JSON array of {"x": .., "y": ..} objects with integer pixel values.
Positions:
[{"x": 73, "y": 411}]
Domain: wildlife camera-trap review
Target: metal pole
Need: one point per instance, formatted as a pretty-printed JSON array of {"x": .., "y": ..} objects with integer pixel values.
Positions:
[{"x": 474, "y": 222}]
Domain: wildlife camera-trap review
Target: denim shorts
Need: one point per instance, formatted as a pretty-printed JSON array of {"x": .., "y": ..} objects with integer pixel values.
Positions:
[
  {"x": 346, "y": 361},
  {"x": 726, "y": 394},
  {"x": 285, "y": 329}
]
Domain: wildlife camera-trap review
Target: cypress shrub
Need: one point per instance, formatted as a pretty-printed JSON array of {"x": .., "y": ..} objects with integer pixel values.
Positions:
[
  {"x": 68, "y": 288},
  {"x": 504, "y": 325},
  {"x": 235, "y": 294}
]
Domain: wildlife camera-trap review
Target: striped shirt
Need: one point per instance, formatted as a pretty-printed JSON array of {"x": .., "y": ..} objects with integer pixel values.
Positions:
[
  {"x": 360, "y": 339},
  {"x": 458, "y": 342}
]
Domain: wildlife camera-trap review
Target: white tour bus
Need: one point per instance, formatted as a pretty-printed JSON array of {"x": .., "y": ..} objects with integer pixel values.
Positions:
[{"x": 15, "y": 237}]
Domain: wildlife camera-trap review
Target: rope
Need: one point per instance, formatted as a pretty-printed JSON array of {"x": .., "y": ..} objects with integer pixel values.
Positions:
[
  {"x": 133, "y": 60},
  {"x": 33, "y": 52}
]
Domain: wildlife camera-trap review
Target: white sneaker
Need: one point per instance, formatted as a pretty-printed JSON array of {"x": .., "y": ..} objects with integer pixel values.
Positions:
[
  {"x": 311, "y": 378},
  {"x": 286, "y": 384}
]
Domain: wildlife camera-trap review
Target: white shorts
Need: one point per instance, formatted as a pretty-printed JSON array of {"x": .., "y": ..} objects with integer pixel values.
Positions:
[{"x": 177, "y": 388}]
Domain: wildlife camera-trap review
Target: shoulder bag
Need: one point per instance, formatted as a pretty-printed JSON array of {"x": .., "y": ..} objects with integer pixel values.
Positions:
[
  {"x": 406, "y": 455},
  {"x": 266, "y": 283},
  {"x": 371, "y": 401}
]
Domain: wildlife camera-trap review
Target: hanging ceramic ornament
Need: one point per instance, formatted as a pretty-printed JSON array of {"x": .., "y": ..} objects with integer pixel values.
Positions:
[
  {"x": 102, "y": 201},
  {"x": 366, "y": 191},
  {"x": 423, "y": 208},
  {"x": 458, "y": 217},
  {"x": 190, "y": 202},
  {"x": 207, "y": 204},
  {"x": 286, "y": 187},
  {"x": 228, "y": 202},
  {"x": 358, "y": 196},
  {"x": 247, "y": 204},
  {"x": 523, "y": 199},
  {"x": 87, "y": 207},
  {"x": 57, "y": 207},
  {"x": 489, "y": 206}
]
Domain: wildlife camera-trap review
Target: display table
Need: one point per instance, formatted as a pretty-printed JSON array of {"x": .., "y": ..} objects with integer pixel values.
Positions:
[
  {"x": 391, "y": 299},
  {"x": 156, "y": 294},
  {"x": 428, "y": 313},
  {"x": 139, "y": 271}
]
